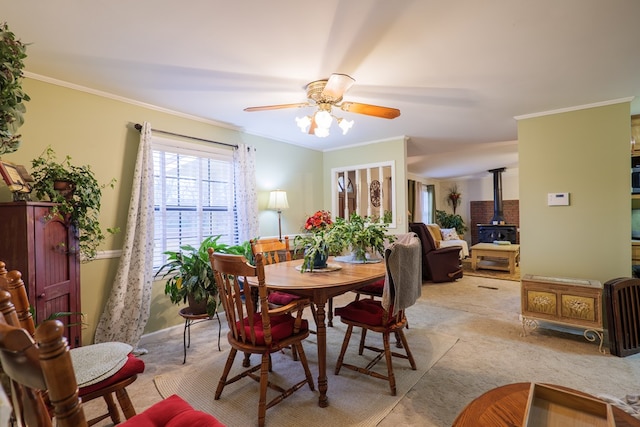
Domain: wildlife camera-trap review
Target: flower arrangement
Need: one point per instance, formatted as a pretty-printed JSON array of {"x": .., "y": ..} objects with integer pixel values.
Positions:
[
  {"x": 453, "y": 198},
  {"x": 320, "y": 220},
  {"x": 318, "y": 241}
]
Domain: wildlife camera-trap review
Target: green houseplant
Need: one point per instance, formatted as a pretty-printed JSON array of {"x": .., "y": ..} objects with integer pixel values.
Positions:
[
  {"x": 12, "y": 109},
  {"x": 363, "y": 235},
  {"x": 317, "y": 241},
  {"x": 190, "y": 277},
  {"x": 77, "y": 195},
  {"x": 447, "y": 220}
]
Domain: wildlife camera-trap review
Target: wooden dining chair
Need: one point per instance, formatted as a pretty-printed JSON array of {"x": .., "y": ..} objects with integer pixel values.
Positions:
[
  {"x": 41, "y": 371},
  {"x": 257, "y": 332},
  {"x": 386, "y": 316},
  {"x": 95, "y": 384},
  {"x": 273, "y": 251}
]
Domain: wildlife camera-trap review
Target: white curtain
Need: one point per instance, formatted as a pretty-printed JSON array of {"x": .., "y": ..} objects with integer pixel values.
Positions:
[
  {"x": 244, "y": 160},
  {"x": 127, "y": 309},
  {"x": 418, "y": 210}
]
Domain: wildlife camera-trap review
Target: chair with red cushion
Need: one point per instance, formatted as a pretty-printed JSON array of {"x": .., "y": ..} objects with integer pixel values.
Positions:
[
  {"x": 387, "y": 316},
  {"x": 117, "y": 372},
  {"x": 44, "y": 369},
  {"x": 257, "y": 332},
  {"x": 272, "y": 249}
]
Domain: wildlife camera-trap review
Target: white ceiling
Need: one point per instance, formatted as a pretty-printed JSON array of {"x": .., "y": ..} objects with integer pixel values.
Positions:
[{"x": 459, "y": 71}]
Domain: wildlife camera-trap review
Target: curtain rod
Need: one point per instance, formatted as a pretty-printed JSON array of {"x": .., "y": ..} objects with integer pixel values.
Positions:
[{"x": 138, "y": 127}]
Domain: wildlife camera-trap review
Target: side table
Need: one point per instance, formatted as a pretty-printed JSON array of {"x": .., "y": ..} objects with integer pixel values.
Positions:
[{"x": 192, "y": 319}]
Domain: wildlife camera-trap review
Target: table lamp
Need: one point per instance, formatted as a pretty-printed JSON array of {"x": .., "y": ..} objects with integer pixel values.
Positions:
[{"x": 278, "y": 201}]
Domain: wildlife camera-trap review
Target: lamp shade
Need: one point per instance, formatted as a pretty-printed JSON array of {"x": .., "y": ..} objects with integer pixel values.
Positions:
[{"x": 278, "y": 200}]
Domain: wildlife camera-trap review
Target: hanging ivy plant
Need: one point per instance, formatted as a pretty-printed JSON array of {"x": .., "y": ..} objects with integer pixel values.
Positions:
[{"x": 12, "y": 109}]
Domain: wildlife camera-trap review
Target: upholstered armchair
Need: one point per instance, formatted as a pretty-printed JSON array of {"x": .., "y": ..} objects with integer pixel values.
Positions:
[
  {"x": 438, "y": 264},
  {"x": 445, "y": 238}
]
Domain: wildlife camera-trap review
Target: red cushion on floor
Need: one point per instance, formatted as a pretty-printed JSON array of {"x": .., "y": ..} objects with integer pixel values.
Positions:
[
  {"x": 132, "y": 366},
  {"x": 373, "y": 288},
  {"x": 281, "y": 327},
  {"x": 368, "y": 311},
  {"x": 281, "y": 298},
  {"x": 172, "y": 412}
]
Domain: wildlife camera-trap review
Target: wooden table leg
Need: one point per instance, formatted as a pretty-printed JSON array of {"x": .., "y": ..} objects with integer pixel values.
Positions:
[
  {"x": 474, "y": 261},
  {"x": 512, "y": 262},
  {"x": 323, "y": 401}
]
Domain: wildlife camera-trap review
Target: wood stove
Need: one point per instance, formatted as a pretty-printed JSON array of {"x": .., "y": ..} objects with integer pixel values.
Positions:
[{"x": 497, "y": 230}]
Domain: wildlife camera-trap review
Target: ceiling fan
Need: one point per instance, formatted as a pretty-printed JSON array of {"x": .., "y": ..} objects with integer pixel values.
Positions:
[{"x": 326, "y": 94}]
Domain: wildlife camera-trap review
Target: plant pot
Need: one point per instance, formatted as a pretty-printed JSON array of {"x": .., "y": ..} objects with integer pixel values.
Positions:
[
  {"x": 196, "y": 307},
  {"x": 320, "y": 260},
  {"x": 65, "y": 188}
]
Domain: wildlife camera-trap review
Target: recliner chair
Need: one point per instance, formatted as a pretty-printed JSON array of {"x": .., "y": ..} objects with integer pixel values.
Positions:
[{"x": 438, "y": 264}]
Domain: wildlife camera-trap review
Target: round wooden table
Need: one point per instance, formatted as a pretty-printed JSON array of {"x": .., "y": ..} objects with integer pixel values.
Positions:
[{"x": 505, "y": 407}]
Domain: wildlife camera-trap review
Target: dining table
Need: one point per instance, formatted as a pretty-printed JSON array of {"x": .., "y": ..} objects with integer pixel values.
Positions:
[{"x": 320, "y": 285}]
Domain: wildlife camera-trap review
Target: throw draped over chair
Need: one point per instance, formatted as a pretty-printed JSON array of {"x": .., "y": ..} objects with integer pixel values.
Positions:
[
  {"x": 438, "y": 264},
  {"x": 123, "y": 369},
  {"x": 43, "y": 368},
  {"x": 258, "y": 332},
  {"x": 402, "y": 287}
]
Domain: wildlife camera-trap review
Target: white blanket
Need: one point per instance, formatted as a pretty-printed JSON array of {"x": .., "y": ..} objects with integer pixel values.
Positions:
[{"x": 464, "y": 252}]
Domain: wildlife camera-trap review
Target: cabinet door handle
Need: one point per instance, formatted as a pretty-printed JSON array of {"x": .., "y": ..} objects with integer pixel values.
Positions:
[{"x": 41, "y": 295}]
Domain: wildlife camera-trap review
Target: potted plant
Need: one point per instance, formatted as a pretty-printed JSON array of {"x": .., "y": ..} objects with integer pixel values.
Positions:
[
  {"x": 12, "y": 55},
  {"x": 447, "y": 220},
  {"x": 364, "y": 236},
  {"x": 190, "y": 276},
  {"x": 77, "y": 195},
  {"x": 317, "y": 241}
]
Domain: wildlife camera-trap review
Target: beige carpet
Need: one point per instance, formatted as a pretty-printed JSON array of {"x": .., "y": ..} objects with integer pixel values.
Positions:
[
  {"x": 492, "y": 274},
  {"x": 354, "y": 399}
]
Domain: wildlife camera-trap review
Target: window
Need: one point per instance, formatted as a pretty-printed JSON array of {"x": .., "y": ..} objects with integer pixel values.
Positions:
[
  {"x": 193, "y": 196},
  {"x": 428, "y": 203}
]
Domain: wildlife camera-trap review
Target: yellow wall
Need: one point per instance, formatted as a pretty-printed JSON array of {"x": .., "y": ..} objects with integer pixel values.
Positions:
[
  {"x": 97, "y": 130},
  {"x": 585, "y": 153},
  {"x": 390, "y": 150}
]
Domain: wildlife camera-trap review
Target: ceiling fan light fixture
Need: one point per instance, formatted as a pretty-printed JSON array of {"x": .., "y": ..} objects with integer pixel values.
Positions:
[
  {"x": 321, "y": 132},
  {"x": 323, "y": 119},
  {"x": 345, "y": 125},
  {"x": 303, "y": 123}
]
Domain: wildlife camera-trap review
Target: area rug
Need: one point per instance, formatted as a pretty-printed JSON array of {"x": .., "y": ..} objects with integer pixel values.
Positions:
[
  {"x": 492, "y": 274},
  {"x": 354, "y": 399}
]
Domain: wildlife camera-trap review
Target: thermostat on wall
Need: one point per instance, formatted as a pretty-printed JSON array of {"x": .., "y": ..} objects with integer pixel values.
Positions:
[{"x": 558, "y": 199}]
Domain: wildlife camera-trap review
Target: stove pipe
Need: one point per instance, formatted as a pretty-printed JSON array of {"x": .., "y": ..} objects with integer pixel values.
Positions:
[{"x": 498, "y": 216}]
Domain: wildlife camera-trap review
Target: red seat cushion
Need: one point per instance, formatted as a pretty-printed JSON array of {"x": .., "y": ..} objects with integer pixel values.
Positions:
[
  {"x": 172, "y": 412},
  {"x": 373, "y": 288},
  {"x": 132, "y": 367},
  {"x": 281, "y": 327},
  {"x": 281, "y": 298},
  {"x": 367, "y": 311}
]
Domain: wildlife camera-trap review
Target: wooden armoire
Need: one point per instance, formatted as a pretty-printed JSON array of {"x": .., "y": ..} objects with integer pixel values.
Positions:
[{"x": 44, "y": 248}]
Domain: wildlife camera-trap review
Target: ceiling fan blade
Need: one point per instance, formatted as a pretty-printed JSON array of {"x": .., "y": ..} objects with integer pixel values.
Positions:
[
  {"x": 370, "y": 110},
  {"x": 337, "y": 85},
  {"x": 277, "y": 107}
]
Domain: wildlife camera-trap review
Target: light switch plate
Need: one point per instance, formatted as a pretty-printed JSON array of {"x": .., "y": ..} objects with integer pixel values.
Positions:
[{"x": 558, "y": 199}]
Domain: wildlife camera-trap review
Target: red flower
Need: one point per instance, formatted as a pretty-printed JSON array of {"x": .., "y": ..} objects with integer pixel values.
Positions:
[{"x": 320, "y": 220}]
